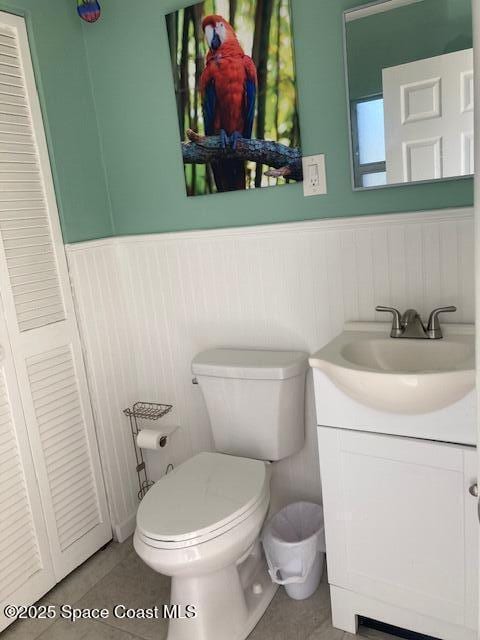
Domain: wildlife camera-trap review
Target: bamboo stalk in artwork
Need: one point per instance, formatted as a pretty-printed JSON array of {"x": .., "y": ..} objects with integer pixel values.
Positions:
[
  {"x": 233, "y": 11},
  {"x": 261, "y": 40}
]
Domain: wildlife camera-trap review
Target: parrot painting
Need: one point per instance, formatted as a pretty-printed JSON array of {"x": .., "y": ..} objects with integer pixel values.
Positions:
[{"x": 228, "y": 87}]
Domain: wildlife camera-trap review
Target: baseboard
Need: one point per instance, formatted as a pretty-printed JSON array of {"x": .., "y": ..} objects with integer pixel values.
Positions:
[
  {"x": 124, "y": 529},
  {"x": 348, "y": 605}
]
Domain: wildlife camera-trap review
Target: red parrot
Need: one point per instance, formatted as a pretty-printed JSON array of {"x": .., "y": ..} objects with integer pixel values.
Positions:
[{"x": 228, "y": 86}]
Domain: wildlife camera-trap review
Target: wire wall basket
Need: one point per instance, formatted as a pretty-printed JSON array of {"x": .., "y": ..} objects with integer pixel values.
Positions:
[{"x": 144, "y": 411}]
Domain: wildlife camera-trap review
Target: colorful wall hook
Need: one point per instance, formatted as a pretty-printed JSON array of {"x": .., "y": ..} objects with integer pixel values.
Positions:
[{"x": 88, "y": 10}]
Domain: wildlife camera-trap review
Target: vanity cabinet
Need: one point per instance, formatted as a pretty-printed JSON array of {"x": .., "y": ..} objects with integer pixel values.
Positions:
[{"x": 401, "y": 530}]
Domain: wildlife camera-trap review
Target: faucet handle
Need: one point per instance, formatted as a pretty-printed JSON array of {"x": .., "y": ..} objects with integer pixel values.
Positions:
[
  {"x": 433, "y": 329},
  {"x": 396, "y": 321}
]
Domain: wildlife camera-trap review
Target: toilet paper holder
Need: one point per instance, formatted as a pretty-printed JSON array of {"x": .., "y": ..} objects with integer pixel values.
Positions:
[{"x": 144, "y": 411}]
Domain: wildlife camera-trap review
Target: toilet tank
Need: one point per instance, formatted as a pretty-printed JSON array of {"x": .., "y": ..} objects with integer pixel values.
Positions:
[{"x": 255, "y": 400}]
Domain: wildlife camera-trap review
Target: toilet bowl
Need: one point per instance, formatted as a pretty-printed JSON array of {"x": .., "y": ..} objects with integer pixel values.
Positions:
[{"x": 200, "y": 525}]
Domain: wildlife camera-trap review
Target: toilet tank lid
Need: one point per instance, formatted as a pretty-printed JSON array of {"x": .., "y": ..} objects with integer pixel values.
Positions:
[{"x": 251, "y": 364}]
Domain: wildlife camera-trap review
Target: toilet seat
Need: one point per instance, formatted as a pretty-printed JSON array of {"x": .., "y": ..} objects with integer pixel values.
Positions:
[{"x": 204, "y": 497}]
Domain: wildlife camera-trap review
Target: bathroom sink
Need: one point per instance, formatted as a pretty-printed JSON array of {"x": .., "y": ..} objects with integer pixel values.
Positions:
[{"x": 400, "y": 375}]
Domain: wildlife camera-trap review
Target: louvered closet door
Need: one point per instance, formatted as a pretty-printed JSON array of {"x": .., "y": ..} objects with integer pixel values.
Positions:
[
  {"x": 26, "y": 571},
  {"x": 40, "y": 318}
]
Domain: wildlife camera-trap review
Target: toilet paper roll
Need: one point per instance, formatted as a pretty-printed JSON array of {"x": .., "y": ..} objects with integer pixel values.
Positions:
[{"x": 151, "y": 439}]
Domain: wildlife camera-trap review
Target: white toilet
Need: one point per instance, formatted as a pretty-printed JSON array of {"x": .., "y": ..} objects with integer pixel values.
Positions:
[{"x": 200, "y": 524}]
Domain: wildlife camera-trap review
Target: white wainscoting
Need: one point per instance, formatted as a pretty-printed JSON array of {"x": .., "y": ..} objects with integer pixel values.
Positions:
[{"x": 148, "y": 304}]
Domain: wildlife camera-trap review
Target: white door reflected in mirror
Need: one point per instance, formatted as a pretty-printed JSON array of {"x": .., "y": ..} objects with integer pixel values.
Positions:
[{"x": 428, "y": 107}]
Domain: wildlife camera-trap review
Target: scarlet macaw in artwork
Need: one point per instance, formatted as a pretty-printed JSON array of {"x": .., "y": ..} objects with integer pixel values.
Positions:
[{"x": 228, "y": 86}]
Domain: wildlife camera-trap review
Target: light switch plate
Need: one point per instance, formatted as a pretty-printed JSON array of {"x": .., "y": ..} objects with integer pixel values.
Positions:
[{"x": 314, "y": 175}]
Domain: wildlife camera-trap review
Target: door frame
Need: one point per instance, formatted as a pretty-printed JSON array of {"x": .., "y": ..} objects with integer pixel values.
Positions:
[{"x": 476, "y": 55}]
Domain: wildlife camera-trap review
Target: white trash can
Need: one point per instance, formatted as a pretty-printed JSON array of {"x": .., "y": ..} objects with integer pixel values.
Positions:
[{"x": 294, "y": 544}]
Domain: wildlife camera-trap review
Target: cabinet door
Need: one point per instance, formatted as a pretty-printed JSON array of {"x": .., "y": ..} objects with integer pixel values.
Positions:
[
  {"x": 26, "y": 572},
  {"x": 396, "y": 523},
  {"x": 40, "y": 318}
]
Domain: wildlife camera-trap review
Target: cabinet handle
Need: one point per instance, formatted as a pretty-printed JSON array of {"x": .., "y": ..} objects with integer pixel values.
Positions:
[{"x": 473, "y": 490}]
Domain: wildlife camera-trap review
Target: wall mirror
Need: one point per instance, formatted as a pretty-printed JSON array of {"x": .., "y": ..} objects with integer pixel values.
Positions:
[{"x": 409, "y": 68}]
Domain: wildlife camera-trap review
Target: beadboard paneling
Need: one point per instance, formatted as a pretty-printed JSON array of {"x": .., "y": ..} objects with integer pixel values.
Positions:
[{"x": 148, "y": 304}]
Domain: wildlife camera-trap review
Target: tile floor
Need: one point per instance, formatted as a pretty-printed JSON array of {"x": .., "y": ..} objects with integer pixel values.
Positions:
[{"x": 116, "y": 575}]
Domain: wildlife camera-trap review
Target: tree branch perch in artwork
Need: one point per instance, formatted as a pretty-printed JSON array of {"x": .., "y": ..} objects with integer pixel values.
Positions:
[{"x": 285, "y": 162}]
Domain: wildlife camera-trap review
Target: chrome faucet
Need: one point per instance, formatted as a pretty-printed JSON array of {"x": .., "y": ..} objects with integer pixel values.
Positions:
[{"x": 410, "y": 325}]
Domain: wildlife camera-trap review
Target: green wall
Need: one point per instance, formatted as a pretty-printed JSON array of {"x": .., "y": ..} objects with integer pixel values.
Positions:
[
  {"x": 422, "y": 30},
  {"x": 134, "y": 95},
  {"x": 113, "y": 135},
  {"x": 63, "y": 80}
]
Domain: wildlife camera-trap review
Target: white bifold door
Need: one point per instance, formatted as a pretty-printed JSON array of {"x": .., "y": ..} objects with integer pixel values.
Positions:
[
  {"x": 53, "y": 510},
  {"x": 429, "y": 118}
]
